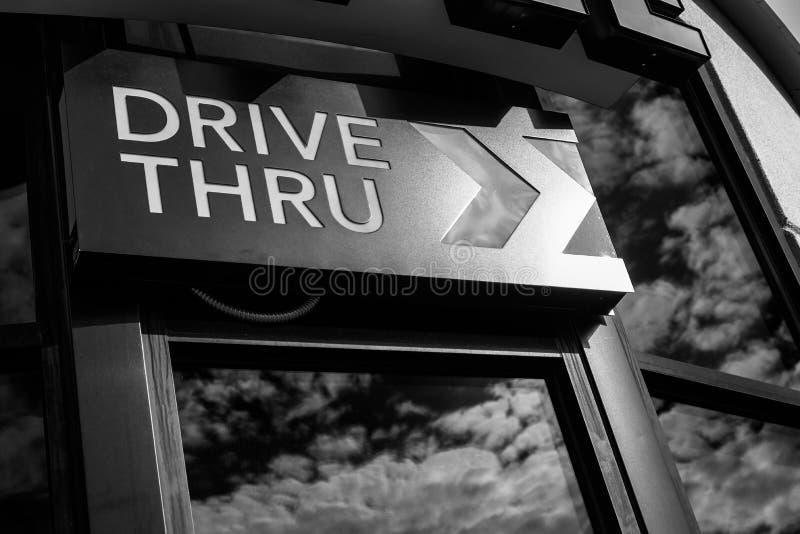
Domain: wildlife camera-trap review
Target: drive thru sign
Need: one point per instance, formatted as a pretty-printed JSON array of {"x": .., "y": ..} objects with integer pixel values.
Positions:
[{"x": 320, "y": 174}]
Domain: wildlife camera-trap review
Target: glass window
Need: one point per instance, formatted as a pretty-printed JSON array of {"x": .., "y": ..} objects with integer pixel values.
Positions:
[
  {"x": 16, "y": 278},
  {"x": 314, "y": 452},
  {"x": 742, "y": 476},
  {"x": 16, "y": 272},
  {"x": 700, "y": 294},
  {"x": 24, "y": 490}
]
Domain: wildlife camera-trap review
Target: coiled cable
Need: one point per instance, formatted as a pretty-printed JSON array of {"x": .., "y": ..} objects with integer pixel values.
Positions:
[{"x": 256, "y": 317}]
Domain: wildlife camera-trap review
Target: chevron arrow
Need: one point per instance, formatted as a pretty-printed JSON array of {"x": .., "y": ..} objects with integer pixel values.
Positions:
[{"x": 504, "y": 199}]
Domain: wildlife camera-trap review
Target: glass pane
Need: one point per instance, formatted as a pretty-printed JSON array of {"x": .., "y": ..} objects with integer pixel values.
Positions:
[
  {"x": 16, "y": 278},
  {"x": 16, "y": 271},
  {"x": 303, "y": 452},
  {"x": 700, "y": 294},
  {"x": 24, "y": 491},
  {"x": 742, "y": 476}
]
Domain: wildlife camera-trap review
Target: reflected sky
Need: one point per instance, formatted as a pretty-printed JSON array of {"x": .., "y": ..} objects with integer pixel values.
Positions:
[
  {"x": 24, "y": 497},
  {"x": 741, "y": 476},
  {"x": 16, "y": 277},
  {"x": 700, "y": 295},
  {"x": 504, "y": 197},
  {"x": 300, "y": 452}
]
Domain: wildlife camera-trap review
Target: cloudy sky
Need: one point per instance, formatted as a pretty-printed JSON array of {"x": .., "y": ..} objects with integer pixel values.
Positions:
[
  {"x": 700, "y": 297},
  {"x": 24, "y": 505},
  {"x": 16, "y": 279},
  {"x": 742, "y": 476},
  {"x": 292, "y": 452},
  {"x": 700, "y": 294}
]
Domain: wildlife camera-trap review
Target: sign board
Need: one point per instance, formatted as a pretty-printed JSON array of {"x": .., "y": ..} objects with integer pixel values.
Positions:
[
  {"x": 328, "y": 175},
  {"x": 608, "y": 42}
]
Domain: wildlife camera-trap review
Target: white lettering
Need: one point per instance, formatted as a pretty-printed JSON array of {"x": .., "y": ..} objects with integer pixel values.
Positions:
[
  {"x": 375, "y": 215},
  {"x": 349, "y": 141},
  {"x": 123, "y": 120},
  {"x": 309, "y": 149},
  {"x": 298, "y": 200},
  {"x": 258, "y": 129},
  {"x": 197, "y": 122},
  {"x": 203, "y": 188},
  {"x": 151, "y": 164}
]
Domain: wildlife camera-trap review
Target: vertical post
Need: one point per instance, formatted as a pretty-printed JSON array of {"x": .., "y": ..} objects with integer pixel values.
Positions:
[
  {"x": 166, "y": 429},
  {"x": 123, "y": 490},
  {"x": 52, "y": 263},
  {"x": 574, "y": 362},
  {"x": 135, "y": 470},
  {"x": 634, "y": 425}
]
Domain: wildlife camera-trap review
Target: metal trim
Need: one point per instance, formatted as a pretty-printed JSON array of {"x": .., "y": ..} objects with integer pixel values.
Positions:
[
  {"x": 708, "y": 388},
  {"x": 171, "y": 465},
  {"x": 123, "y": 486},
  {"x": 599, "y": 476},
  {"x": 226, "y": 332},
  {"x": 642, "y": 446},
  {"x": 352, "y": 346},
  {"x": 617, "y": 486}
]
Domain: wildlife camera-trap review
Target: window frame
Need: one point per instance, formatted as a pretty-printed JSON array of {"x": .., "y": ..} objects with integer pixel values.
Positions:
[
  {"x": 723, "y": 392},
  {"x": 133, "y": 435},
  {"x": 748, "y": 193},
  {"x": 302, "y": 354}
]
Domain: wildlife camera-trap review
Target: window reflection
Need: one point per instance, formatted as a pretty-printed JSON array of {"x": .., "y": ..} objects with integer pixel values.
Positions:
[
  {"x": 302, "y": 452},
  {"x": 16, "y": 276},
  {"x": 17, "y": 38},
  {"x": 742, "y": 476},
  {"x": 700, "y": 294},
  {"x": 24, "y": 493}
]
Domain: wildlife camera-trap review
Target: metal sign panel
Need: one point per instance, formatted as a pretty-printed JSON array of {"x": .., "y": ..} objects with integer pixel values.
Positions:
[
  {"x": 413, "y": 28},
  {"x": 328, "y": 175},
  {"x": 532, "y": 41}
]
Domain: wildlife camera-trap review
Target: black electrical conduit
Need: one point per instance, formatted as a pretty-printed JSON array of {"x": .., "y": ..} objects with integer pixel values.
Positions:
[{"x": 256, "y": 317}]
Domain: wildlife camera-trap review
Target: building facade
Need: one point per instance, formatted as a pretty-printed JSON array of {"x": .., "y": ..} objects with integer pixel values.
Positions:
[{"x": 433, "y": 266}]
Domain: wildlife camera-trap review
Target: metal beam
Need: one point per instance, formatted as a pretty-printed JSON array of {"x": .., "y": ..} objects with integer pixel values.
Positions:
[{"x": 641, "y": 443}]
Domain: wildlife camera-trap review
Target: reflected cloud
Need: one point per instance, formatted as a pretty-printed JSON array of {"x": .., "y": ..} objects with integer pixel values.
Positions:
[
  {"x": 742, "y": 476},
  {"x": 384, "y": 453},
  {"x": 16, "y": 275},
  {"x": 700, "y": 295},
  {"x": 22, "y": 457},
  {"x": 24, "y": 491}
]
